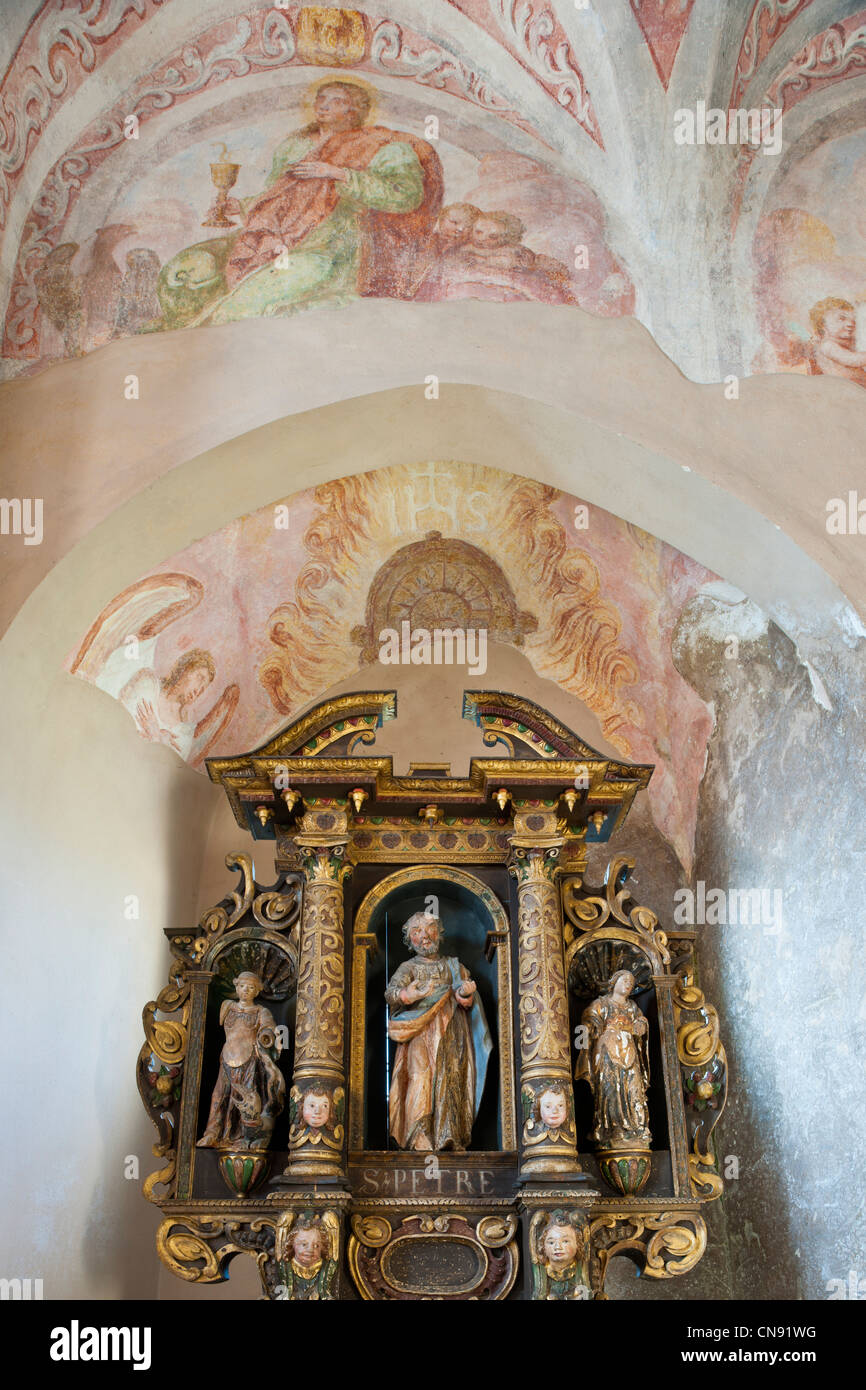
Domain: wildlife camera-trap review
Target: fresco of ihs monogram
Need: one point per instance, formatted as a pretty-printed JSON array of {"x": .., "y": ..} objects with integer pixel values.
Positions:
[{"x": 207, "y": 661}]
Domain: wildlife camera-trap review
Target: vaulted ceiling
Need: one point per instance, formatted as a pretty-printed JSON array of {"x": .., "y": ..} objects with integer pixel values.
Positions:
[{"x": 564, "y": 114}]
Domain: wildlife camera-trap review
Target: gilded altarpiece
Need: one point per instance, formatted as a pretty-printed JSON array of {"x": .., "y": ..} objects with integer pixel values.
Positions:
[{"x": 431, "y": 1060}]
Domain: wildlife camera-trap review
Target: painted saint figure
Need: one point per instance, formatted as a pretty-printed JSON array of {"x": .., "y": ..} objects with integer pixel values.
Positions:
[
  {"x": 119, "y": 652},
  {"x": 443, "y": 1044},
  {"x": 616, "y": 1065},
  {"x": 250, "y": 1090},
  {"x": 346, "y": 211}
]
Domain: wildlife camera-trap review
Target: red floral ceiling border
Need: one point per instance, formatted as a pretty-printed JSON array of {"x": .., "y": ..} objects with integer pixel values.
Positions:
[
  {"x": 60, "y": 49},
  {"x": 768, "y": 20}
]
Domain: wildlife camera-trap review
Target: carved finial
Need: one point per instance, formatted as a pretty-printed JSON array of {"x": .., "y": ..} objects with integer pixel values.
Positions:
[
  {"x": 291, "y": 798},
  {"x": 431, "y": 814},
  {"x": 358, "y": 796},
  {"x": 264, "y": 815},
  {"x": 502, "y": 798},
  {"x": 598, "y": 819},
  {"x": 569, "y": 796}
]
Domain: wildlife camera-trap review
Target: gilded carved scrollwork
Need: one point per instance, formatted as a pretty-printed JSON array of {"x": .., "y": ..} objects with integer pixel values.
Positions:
[
  {"x": 662, "y": 1245},
  {"x": 159, "y": 1070},
  {"x": 198, "y": 1248},
  {"x": 259, "y": 923},
  {"x": 320, "y": 1022},
  {"x": 590, "y": 912},
  {"x": 704, "y": 1068},
  {"x": 543, "y": 1007}
]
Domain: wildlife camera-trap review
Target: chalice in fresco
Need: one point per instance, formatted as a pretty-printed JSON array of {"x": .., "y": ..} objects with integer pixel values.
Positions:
[{"x": 224, "y": 176}]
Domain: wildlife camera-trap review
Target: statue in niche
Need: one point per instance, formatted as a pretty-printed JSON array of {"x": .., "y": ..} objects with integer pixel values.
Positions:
[
  {"x": 443, "y": 1044},
  {"x": 558, "y": 1250},
  {"x": 250, "y": 1091},
  {"x": 307, "y": 1253},
  {"x": 616, "y": 1064}
]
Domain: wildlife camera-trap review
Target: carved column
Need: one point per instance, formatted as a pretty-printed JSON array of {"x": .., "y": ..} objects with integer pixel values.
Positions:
[
  {"x": 548, "y": 1147},
  {"x": 318, "y": 1096}
]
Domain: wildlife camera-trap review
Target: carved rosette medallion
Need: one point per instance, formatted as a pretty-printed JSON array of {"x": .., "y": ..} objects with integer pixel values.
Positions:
[
  {"x": 318, "y": 1090},
  {"x": 549, "y": 1143}
]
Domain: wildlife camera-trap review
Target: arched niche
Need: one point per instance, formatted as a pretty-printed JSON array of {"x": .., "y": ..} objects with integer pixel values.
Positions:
[
  {"x": 591, "y": 966},
  {"x": 477, "y": 931}
]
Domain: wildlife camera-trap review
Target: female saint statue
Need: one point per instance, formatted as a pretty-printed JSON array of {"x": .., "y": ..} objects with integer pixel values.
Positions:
[{"x": 616, "y": 1065}]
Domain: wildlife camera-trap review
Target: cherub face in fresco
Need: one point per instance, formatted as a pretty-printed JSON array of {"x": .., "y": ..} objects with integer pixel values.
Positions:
[
  {"x": 192, "y": 685},
  {"x": 488, "y": 235},
  {"x": 454, "y": 226},
  {"x": 316, "y": 1110},
  {"x": 553, "y": 1109},
  {"x": 560, "y": 1246},
  {"x": 308, "y": 1247},
  {"x": 841, "y": 326}
]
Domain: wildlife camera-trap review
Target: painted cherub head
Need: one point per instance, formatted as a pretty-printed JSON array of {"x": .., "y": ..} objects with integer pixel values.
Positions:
[
  {"x": 836, "y": 320},
  {"x": 493, "y": 230},
  {"x": 189, "y": 677},
  {"x": 455, "y": 223},
  {"x": 317, "y": 1107},
  {"x": 553, "y": 1105},
  {"x": 559, "y": 1243},
  {"x": 307, "y": 1244}
]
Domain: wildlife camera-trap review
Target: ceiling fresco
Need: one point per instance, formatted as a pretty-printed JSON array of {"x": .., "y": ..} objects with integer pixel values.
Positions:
[
  {"x": 164, "y": 166},
  {"x": 222, "y": 645}
]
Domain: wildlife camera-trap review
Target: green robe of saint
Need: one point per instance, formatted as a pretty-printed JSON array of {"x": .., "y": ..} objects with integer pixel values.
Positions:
[{"x": 322, "y": 268}]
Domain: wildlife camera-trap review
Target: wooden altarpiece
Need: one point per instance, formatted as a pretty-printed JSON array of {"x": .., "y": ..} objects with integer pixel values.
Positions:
[{"x": 330, "y": 1208}]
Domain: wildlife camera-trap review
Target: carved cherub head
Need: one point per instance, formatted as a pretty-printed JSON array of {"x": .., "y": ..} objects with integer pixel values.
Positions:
[
  {"x": 317, "y": 1107},
  {"x": 552, "y": 1105},
  {"x": 558, "y": 1242},
  {"x": 306, "y": 1245}
]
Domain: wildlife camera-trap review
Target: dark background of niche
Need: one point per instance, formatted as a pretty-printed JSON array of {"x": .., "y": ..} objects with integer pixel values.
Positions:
[
  {"x": 466, "y": 925},
  {"x": 656, "y": 1100},
  {"x": 207, "y": 1181}
]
